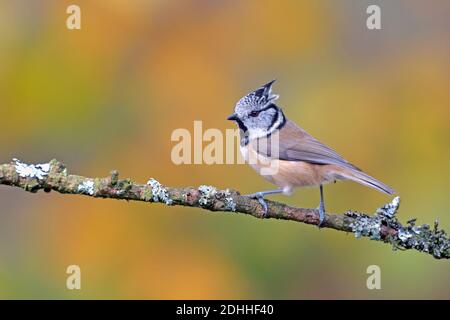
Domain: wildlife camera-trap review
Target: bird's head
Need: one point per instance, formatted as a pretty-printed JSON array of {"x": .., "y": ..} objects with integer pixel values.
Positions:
[{"x": 256, "y": 112}]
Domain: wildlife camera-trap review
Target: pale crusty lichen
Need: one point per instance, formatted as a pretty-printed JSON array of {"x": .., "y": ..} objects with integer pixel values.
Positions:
[
  {"x": 410, "y": 236},
  {"x": 38, "y": 171},
  {"x": 207, "y": 194},
  {"x": 390, "y": 209},
  {"x": 366, "y": 226},
  {"x": 370, "y": 226},
  {"x": 159, "y": 193},
  {"x": 228, "y": 201},
  {"x": 423, "y": 238},
  {"x": 86, "y": 187}
]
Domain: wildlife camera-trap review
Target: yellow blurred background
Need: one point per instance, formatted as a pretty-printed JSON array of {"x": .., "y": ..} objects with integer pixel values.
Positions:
[{"x": 108, "y": 96}]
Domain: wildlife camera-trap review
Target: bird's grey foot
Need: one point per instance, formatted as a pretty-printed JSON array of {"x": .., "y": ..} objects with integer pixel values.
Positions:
[
  {"x": 321, "y": 209},
  {"x": 260, "y": 197}
]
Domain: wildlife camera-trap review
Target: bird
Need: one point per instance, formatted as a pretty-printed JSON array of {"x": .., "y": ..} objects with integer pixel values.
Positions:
[{"x": 268, "y": 139}]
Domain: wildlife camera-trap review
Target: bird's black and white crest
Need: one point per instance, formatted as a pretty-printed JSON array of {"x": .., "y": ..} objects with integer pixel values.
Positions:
[
  {"x": 257, "y": 115},
  {"x": 257, "y": 99}
]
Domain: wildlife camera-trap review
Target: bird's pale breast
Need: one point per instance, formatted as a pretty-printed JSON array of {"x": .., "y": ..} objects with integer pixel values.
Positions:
[{"x": 288, "y": 174}]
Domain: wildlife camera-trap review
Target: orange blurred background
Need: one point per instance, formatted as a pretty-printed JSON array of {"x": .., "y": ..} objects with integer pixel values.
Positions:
[{"x": 108, "y": 96}]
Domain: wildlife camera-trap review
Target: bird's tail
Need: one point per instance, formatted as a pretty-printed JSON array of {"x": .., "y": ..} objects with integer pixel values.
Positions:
[{"x": 364, "y": 179}]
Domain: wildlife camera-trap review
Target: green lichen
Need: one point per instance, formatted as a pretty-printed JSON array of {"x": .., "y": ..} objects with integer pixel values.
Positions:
[
  {"x": 98, "y": 185},
  {"x": 114, "y": 177},
  {"x": 57, "y": 167},
  {"x": 124, "y": 185},
  {"x": 146, "y": 194},
  {"x": 32, "y": 186}
]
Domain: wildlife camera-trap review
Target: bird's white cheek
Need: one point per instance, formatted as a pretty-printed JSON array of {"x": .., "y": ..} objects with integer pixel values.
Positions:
[
  {"x": 257, "y": 133},
  {"x": 244, "y": 153}
]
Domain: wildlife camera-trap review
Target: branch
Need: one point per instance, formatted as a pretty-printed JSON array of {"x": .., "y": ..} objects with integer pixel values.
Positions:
[{"x": 382, "y": 226}]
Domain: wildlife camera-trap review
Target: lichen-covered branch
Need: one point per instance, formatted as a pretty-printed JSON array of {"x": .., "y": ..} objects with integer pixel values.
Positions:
[{"x": 382, "y": 226}]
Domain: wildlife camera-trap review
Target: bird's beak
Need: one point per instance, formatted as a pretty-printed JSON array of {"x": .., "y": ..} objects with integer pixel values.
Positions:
[{"x": 233, "y": 117}]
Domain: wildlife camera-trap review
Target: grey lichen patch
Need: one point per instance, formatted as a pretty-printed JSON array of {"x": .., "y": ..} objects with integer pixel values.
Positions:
[
  {"x": 159, "y": 193},
  {"x": 86, "y": 187},
  {"x": 370, "y": 226},
  {"x": 207, "y": 194},
  {"x": 228, "y": 201},
  {"x": 403, "y": 235},
  {"x": 366, "y": 226},
  {"x": 212, "y": 198},
  {"x": 389, "y": 209},
  {"x": 422, "y": 238},
  {"x": 38, "y": 171}
]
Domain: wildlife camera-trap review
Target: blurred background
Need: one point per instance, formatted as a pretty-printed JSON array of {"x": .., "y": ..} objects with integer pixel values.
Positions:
[{"x": 108, "y": 96}]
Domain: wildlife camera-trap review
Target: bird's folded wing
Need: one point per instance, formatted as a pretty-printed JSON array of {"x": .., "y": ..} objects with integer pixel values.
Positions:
[{"x": 292, "y": 143}]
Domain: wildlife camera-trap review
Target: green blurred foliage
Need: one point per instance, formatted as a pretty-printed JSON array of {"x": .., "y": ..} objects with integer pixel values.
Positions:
[{"x": 109, "y": 96}]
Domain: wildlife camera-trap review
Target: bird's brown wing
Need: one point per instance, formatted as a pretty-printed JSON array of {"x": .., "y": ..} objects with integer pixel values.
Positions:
[{"x": 295, "y": 144}]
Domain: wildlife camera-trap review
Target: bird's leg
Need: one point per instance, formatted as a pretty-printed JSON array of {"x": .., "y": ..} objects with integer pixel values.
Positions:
[
  {"x": 321, "y": 207},
  {"x": 260, "y": 196}
]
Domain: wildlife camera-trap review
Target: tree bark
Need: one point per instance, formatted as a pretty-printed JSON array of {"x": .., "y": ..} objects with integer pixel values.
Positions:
[{"x": 382, "y": 226}]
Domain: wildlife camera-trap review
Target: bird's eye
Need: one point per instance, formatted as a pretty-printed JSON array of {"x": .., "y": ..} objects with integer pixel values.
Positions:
[{"x": 254, "y": 113}]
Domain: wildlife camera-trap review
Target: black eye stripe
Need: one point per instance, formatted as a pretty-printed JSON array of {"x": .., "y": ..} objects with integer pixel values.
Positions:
[
  {"x": 257, "y": 112},
  {"x": 270, "y": 106},
  {"x": 241, "y": 125}
]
